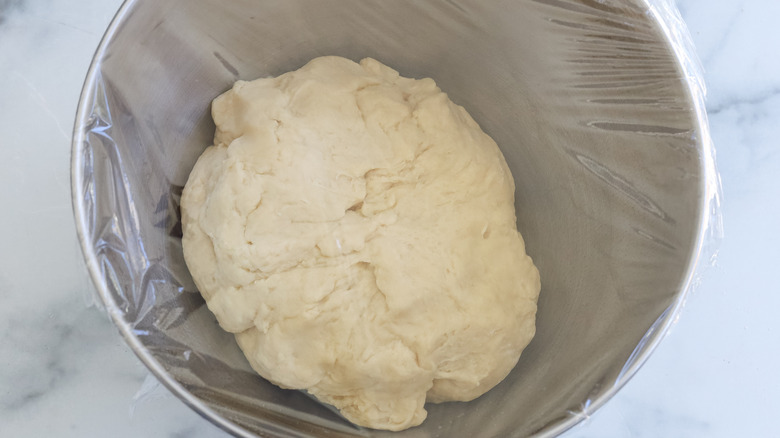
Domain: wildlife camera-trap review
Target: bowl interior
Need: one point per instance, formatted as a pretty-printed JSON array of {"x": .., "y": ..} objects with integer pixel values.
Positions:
[{"x": 585, "y": 99}]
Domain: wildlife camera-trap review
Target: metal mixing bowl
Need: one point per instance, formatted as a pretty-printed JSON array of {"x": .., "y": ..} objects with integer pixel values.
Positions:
[{"x": 592, "y": 103}]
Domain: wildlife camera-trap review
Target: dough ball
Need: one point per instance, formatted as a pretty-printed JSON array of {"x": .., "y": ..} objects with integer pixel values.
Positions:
[{"x": 356, "y": 231}]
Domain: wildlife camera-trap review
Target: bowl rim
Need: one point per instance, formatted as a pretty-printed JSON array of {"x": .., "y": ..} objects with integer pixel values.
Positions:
[{"x": 706, "y": 226}]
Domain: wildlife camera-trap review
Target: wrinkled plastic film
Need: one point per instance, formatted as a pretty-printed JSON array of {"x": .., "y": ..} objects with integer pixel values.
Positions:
[
  {"x": 598, "y": 108},
  {"x": 672, "y": 23},
  {"x": 711, "y": 226}
]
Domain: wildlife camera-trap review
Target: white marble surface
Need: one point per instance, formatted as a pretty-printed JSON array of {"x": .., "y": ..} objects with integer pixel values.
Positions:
[{"x": 65, "y": 372}]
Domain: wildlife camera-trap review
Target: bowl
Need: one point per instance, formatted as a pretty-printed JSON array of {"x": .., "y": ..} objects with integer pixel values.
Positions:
[{"x": 595, "y": 105}]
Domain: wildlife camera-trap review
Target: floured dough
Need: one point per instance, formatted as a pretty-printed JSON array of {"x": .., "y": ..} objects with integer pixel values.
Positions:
[{"x": 356, "y": 231}]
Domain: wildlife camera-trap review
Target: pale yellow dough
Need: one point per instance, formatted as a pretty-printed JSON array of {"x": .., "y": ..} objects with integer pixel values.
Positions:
[{"x": 356, "y": 231}]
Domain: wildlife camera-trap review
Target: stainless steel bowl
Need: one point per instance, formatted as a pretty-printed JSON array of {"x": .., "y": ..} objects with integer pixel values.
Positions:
[{"x": 592, "y": 103}]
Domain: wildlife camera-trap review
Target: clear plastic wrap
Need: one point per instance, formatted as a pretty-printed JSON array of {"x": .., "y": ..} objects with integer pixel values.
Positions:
[{"x": 597, "y": 106}]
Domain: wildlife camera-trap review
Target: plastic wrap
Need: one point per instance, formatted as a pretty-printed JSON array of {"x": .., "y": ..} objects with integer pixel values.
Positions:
[{"x": 597, "y": 106}]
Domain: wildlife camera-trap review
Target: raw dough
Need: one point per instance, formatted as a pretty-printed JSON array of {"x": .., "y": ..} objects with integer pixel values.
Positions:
[{"x": 356, "y": 231}]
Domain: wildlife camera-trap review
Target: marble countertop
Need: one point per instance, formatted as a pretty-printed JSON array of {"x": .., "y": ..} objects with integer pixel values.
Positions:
[{"x": 66, "y": 372}]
